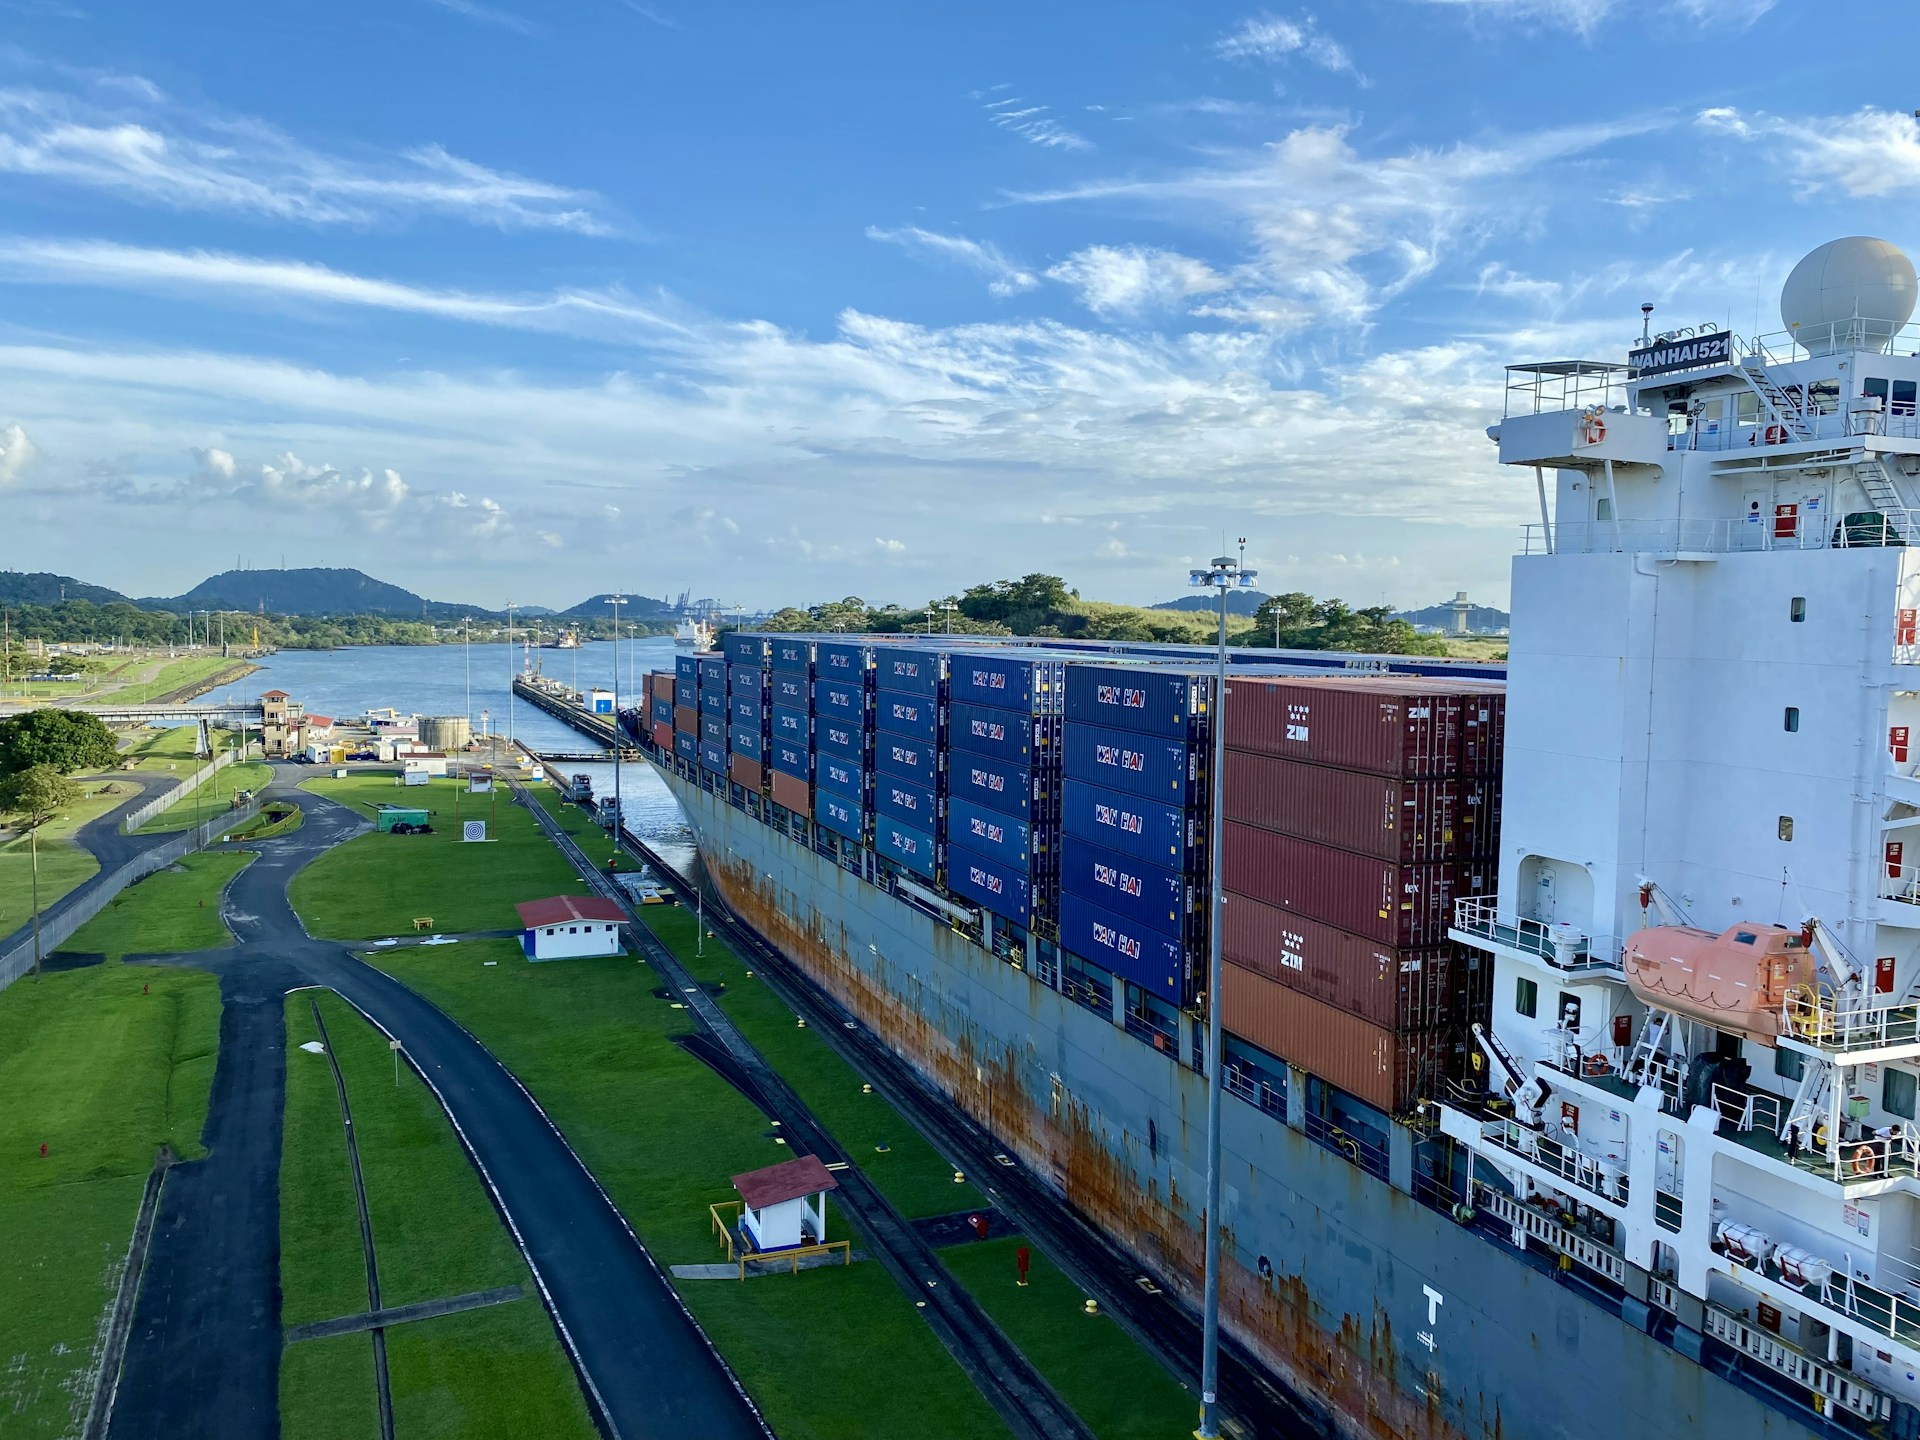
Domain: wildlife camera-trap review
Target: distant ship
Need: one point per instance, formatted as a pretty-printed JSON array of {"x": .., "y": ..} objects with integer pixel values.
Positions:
[
  {"x": 566, "y": 640},
  {"x": 693, "y": 635}
]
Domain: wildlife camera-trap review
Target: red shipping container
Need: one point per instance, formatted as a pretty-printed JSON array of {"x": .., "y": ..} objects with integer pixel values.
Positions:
[
  {"x": 686, "y": 719},
  {"x": 1386, "y": 1070},
  {"x": 1401, "y": 990},
  {"x": 663, "y": 735},
  {"x": 746, "y": 772},
  {"x": 1408, "y": 906},
  {"x": 792, "y": 792},
  {"x": 1483, "y": 730},
  {"x": 1383, "y": 815},
  {"x": 1383, "y": 725}
]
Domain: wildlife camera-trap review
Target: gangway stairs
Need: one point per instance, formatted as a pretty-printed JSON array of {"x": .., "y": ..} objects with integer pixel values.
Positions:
[
  {"x": 1809, "y": 1106},
  {"x": 1780, "y": 408},
  {"x": 1640, "y": 1067}
]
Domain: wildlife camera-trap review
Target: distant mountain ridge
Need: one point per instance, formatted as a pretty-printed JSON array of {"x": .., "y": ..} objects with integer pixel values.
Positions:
[
  {"x": 1481, "y": 619},
  {"x": 632, "y": 607},
  {"x": 43, "y": 587},
  {"x": 312, "y": 591},
  {"x": 1239, "y": 602}
]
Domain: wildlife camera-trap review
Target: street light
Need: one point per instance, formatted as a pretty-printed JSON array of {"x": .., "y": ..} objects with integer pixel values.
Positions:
[
  {"x": 1224, "y": 573},
  {"x": 619, "y": 804},
  {"x": 947, "y": 608}
]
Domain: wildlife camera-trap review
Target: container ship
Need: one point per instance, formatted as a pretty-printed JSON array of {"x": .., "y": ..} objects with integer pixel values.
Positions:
[{"x": 1570, "y": 1014}]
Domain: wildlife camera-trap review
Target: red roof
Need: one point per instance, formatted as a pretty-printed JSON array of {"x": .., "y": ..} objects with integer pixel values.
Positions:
[
  {"x": 274, "y": 695},
  {"x": 789, "y": 1180},
  {"x": 321, "y": 721},
  {"x": 559, "y": 909}
]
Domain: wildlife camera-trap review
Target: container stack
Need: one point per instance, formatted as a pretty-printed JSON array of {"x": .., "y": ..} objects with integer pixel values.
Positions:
[
  {"x": 686, "y": 708},
  {"x": 789, "y": 702},
  {"x": 660, "y": 688},
  {"x": 1357, "y": 812},
  {"x": 1002, "y": 820},
  {"x": 1134, "y": 823},
  {"x": 906, "y": 783},
  {"x": 712, "y": 680},
  {"x": 747, "y": 715}
]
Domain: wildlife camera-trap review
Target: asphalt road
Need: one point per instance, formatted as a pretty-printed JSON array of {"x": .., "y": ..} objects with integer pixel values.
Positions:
[{"x": 204, "y": 1356}]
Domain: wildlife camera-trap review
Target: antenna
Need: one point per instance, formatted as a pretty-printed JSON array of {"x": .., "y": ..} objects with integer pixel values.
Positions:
[{"x": 1646, "y": 323}]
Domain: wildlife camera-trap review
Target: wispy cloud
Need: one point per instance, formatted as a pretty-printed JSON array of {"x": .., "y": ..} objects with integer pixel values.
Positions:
[
  {"x": 1003, "y": 276},
  {"x": 1271, "y": 39},
  {"x": 1586, "y": 16},
  {"x": 488, "y": 15},
  {"x": 1868, "y": 153},
  {"x": 1130, "y": 279},
  {"x": 149, "y": 150},
  {"x": 1031, "y": 122}
]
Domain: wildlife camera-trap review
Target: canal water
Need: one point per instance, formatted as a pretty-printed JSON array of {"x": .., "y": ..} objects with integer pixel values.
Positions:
[{"x": 474, "y": 681}]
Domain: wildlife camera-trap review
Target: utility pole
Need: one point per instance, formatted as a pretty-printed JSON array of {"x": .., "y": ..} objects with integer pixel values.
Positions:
[
  {"x": 619, "y": 805},
  {"x": 510, "y": 674}
]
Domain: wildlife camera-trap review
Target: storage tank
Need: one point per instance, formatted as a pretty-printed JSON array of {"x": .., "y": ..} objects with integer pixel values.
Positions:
[
  {"x": 1736, "y": 981},
  {"x": 446, "y": 732}
]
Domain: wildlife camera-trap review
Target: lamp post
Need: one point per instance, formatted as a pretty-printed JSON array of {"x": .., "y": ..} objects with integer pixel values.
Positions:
[
  {"x": 947, "y": 607},
  {"x": 619, "y": 804},
  {"x": 1224, "y": 573}
]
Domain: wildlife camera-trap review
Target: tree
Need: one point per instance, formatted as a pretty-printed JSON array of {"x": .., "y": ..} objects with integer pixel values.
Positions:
[
  {"x": 65, "y": 740},
  {"x": 39, "y": 793}
]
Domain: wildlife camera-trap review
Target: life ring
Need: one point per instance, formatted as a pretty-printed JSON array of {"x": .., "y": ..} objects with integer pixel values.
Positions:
[
  {"x": 1596, "y": 430},
  {"x": 1863, "y": 1160},
  {"x": 1776, "y": 434},
  {"x": 1596, "y": 1065}
]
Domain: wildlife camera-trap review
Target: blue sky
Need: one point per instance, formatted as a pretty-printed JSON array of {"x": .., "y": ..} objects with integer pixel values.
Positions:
[{"x": 785, "y": 303}]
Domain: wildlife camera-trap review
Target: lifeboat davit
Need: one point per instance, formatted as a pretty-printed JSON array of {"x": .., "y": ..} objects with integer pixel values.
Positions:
[{"x": 1735, "y": 981}]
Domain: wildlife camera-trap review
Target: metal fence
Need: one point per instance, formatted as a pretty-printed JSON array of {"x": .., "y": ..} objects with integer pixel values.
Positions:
[
  {"x": 97, "y": 894},
  {"x": 160, "y": 804}
]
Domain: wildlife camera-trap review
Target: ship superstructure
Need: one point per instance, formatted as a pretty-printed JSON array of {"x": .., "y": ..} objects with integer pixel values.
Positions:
[{"x": 1699, "y": 1082}]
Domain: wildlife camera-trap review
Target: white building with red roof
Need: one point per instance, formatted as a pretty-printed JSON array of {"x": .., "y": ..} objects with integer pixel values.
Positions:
[
  {"x": 785, "y": 1205},
  {"x": 566, "y": 927}
]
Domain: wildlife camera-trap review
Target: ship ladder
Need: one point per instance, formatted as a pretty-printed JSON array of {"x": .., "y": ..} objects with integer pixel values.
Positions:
[
  {"x": 1871, "y": 472},
  {"x": 1809, "y": 1108},
  {"x": 1780, "y": 408},
  {"x": 1646, "y": 1053}
]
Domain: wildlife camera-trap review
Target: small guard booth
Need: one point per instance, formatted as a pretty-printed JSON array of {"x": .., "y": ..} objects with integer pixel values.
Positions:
[
  {"x": 783, "y": 1214},
  {"x": 565, "y": 927}
]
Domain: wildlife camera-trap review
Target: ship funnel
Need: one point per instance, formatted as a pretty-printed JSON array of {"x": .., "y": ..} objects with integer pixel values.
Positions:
[{"x": 1851, "y": 294}]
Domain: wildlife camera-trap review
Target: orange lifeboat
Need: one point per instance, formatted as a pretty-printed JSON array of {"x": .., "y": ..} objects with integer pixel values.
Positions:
[{"x": 1735, "y": 981}]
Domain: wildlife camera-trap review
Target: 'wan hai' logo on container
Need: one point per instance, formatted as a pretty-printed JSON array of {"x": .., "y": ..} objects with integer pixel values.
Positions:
[
  {"x": 1111, "y": 938},
  {"x": 1116, "y": 818},
  {"x": 1119, "y": 757},
  {"x": 1114, "y": 878},
  {"x": 1124, "y": 697}
]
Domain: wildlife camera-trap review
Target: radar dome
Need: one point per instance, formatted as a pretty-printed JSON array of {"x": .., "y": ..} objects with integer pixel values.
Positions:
[{"x": 1850, "y": 294}]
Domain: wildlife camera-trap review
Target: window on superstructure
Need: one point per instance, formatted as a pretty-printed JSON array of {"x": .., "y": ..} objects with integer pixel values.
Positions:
[
  {"x": 1788, "y": 1064},
  {"x": 1526, "y": 997},
  {"x": 1786, "y": 827},
  {"x": 1904, "y": 394},
  {"x": 1896, "y": 1093},
  {"x": 1791, "y": 719},
  {"x": 1797, "y": 609}
]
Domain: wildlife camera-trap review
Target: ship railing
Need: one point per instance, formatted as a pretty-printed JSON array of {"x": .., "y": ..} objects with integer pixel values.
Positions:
[
  {"x": 1548, "y": 387},
  {"x": 1559, "y": 946},
  {"x": 1666, "y": 1210},
  {"x": 1820, "y": 1017},
  {"x": 1896, "y": 1316},
  {"x": 1560, "y": 1157},
  {"x": 1528, "y": 1223},
  {"x": 1368, "y": 1154},
  {"x": 1761, "y": 433},
  {"x": 1884, "y": 337},
  {"x": 1724, "y": 535},
  {"x": 1153, "y": 1030},
  {"x": 1750, "y": 1109},
  {"x": 1841, "y": 1389},
  {"x": 1241, "y": 1080}
]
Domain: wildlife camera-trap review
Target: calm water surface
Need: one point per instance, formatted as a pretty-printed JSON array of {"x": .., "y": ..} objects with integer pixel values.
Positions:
[{"x": 473, "y": 681}]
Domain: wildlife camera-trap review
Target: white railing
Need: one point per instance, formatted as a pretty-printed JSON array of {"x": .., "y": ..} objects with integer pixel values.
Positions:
[
  {"x": 1762, "y": 433},
  {"x": 1560, "y": 946},
  {"x": 1560, "y": 1156},
  {"x": 1750, "y": 1109},
  {"x": 1861, "y": 530},
  {"x": 1556, "y": 385},
  {"x": 1839, "y": 1386},
  {"x": 1556, "y": 1237},
  {"x": 1842, "y": 1022},
  {"x": 1783, "y": 347}
]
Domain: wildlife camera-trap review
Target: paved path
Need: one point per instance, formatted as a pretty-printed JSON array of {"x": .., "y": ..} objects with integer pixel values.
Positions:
[{"x": 204, "y": 1356}]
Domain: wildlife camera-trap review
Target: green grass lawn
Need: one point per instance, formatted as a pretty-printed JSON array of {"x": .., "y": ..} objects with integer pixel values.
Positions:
[
  {"x": 1115, "y": 1386},
  {"x": 177, "y": 908},
  {"x": 214, "y": 797},
  {"x": 376, "y": 885},
  {"x": 63, "y": 864},
  {"x": 188, "y": 670},
  {"x": 831, "y": 1354},
  {"x": 264, "y": 827},
  {"x": 327, "y": 1388},
  {"x": 436, "y": 1234}
]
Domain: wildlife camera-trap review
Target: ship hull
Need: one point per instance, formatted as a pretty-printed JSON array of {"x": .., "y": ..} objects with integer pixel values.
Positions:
[{"x": 1382, "y": 1312}]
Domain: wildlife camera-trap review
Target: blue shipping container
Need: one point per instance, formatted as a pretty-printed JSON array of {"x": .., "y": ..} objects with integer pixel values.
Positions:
[
  {"x": 997, "y": 784},
  {"x": 713, "y": 757},
  {"x": 918, "y": 672},
  {"x": 791, "y": 759},
  {"x": 992, "y": 833},
  {"x": 1144, "y": 829},
  {"x": 833, "y": 660},
  {"x": 840, "y": 815},
  {"x": 899, "y": 713},
  {"x": 904, "y": 845},
  {"x": 713, "y": 671},
  {"x": 661, "y": 712},
  {"x": 713, "y": 730},
  {"x": 748, "y": 741},
  {"x": 906, "y": 800},
  {"x": 1003, "y": 734},
  {"x": 846, "y": 738},
  {"x": 1128, "y": 761},
  {"x": 1005, "y": 682},
  {"x": 744, "y": 710},
  {"x": 1153, "y": 961},
  {"x": 686, "y": 746},
  {"x": 713, "y": 702},
  {"x": 1130, "y": 888},
  {"x": 901, "y": 755},
  {"x": 749, "y": 680},
  {"x": 686, "y": 671},
  {"x": 793, "y": 726},
  {"x": 793, "y": 691},
  {"x": 795, "y": 657},
  {"x": 1158, "y": 701},
  {"x": 745, "y": 647},
  {"x": 838, "y": 697},
  {"x": 837, "y": 773},
  {"x": 990, "y": 884}
]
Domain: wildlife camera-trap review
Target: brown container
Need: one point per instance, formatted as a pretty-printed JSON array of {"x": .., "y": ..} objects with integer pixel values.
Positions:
[
  {"x": 1386, "y": 1070},
  {"x": 793, "y": 792},
  {"x": 686, "y": 719},
  {"x": 1390, "y": 817},
  {"x": 1483, "y": 730},
  {"x": 1383, "y": 725},
  {"x": 1400, "y": 990},
  {"x": 746, "y": 772},
  {"x": 663, "y": 734},
  {"x": 1406, "y": 906}
]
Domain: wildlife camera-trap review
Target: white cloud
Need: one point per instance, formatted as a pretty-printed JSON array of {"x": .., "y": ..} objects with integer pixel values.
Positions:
[
  {"x": 1033, "y": 123},
  {"x": 1126, "y": 280},
  {"x": 1003, "y": 276},
  {"x": 889, "y": 547},
  {"x": 290, "y": 480},
  {"x": 147, "y": 149},
  {"x": 1866, "y": 154},
  {"x": 1264, "y": 37},
  {"x": 488, "y": 15},
  {"x": 16, "y": 453},
  {"x": 215, "y": 464},
  {"x": 1586, "y": 16}
]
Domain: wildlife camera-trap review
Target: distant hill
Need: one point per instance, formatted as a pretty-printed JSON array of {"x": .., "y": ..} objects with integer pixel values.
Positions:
[
  {"x": 1481, "y": 619},
  {"x": 41, "y": 587},
  {"x": 1239, "y": 602},
  {"x": 307, "y": 592},
  {"x": 633, "y": 607}
]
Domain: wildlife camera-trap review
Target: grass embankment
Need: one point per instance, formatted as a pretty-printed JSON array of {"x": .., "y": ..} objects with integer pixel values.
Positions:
[
  {"x": 375, "y": 885},
  {"x": 174, "y": 909},
  {"x": 64, "y": 866},
  {"x": 178, "y": 679},
  {"x": 101, "y": 1065},
  {"x": 213, "y": 798},
  {"x": 832, "y": 1354},
  {"x": 494, "y": 1373}
]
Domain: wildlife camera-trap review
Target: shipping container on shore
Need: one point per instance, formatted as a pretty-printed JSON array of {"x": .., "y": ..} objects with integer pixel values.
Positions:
[
  {"x": 1145, "y": 829},
  {"x": 792, "y": 792},
  {"x": 904, "y": 756},
  {"x": 1386, "y": 1070},
  {"x": 917, "y": 672},
  {"x": 793, "y": 726},
  {"x": 686, "y": 719},
  {"x": 844, "y": 699},
  {"x": 791, "y": 657},
  {"x": 992, "y": 833},
  {"x": 1409, "y": 906},
  {"x": 1168, "y": 701},
  {"x": 997, "y": 784},
  {"x": 686, "y": 745},
  {"x": 1135, "y": 764},
  {"x": 908, "y": 801},
  {"x": 1004, "y": 734},
  {"x": 746, "y": 647},
  {"x": 795, "y": 692},
  {"x": 837, "y": 660},
  {"x": 840, "y": 775},
  {"x": 747, "y": 680},
  {"x": 713, "y": 730},
  {"x": 1006, "y": 682},
  {"x": 746, "y": 772},
  {"x": 905, "y": 846},
  {"x": 1390, "y": 817},
  {"x": 713, "y": 757},
  {"x": 1385, "y": 725},
  {"x": 1147, "y": 894},
  {"x": 1005, "y": 891},
  {"x": 897, "y": 712},
  {"x": 1399, "y": 990},
  {"x": 845, "y": 738},
  {"x": 787, "y": 758},
  {"x": 1155, "y": 962},
  {"x": 840, "y": 815},
  {"x": 662, "y": 735}
]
